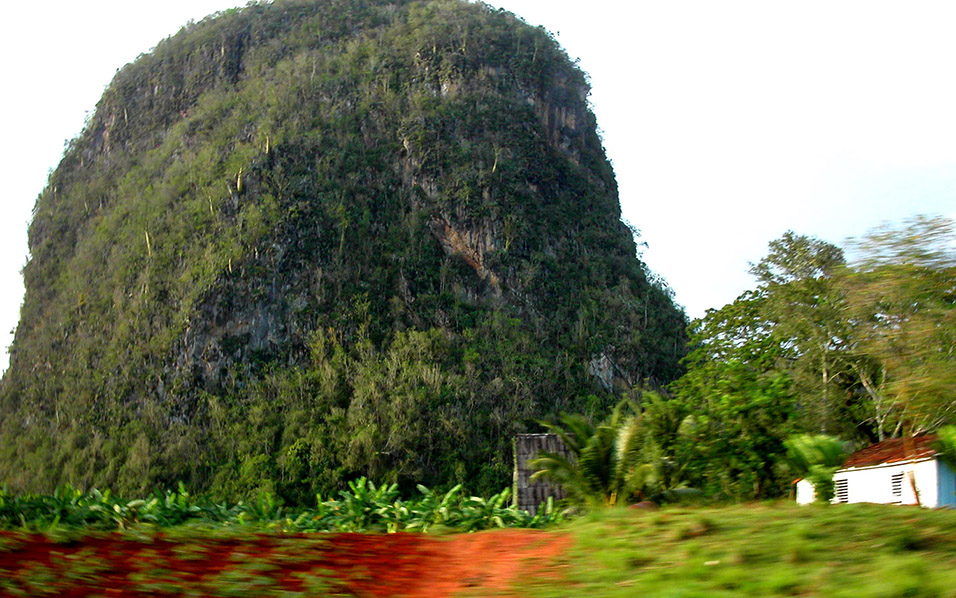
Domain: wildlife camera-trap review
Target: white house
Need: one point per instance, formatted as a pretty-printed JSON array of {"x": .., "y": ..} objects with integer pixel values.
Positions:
[{"x": 881, "y": 473}]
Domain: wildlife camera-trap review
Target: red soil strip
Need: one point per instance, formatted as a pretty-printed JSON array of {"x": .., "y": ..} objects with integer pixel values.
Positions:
[{"x": 410, "y": 565}]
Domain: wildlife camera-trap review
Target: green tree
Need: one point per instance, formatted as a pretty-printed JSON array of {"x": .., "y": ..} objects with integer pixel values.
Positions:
[
  {"x": 804, "y": 307},
  {"x": 867, "y": 350},
  {"x": 740, "y": 405},
  {"x": 902, "y": 295},
  {"x": 816, "y": 458},
  {"x": 946, "y": 445},
  {"x": 606, "y": 467}
]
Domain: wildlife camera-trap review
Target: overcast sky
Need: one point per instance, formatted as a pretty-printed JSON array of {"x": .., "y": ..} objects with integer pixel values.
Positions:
[{"x": 727, "y": 122}]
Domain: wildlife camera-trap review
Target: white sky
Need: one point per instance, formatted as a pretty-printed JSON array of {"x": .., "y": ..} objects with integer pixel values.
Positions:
[{"x": 727, "y": 122}]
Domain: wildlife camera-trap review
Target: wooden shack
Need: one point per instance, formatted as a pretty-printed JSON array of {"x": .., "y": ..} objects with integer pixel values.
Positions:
[{"x": 529, "y": 495}]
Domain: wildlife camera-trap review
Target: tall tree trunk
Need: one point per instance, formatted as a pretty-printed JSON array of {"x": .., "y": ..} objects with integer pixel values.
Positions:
[
  {"x": 825, "y": 373},
  {"x": 909, "y": 454},
  {"x": 880, "y": 412}
]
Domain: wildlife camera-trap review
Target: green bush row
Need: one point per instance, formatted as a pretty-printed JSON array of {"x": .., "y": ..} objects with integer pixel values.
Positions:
[{"x": 364, "y": 507}]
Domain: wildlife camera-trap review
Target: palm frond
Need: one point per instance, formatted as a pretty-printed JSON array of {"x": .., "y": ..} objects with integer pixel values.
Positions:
[{"x": 807, "y": 451}]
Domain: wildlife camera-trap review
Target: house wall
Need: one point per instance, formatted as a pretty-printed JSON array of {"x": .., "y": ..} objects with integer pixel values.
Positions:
[
  {"x": 874, "y": 484},
  {"x": 805, "y": 492},
  {"x": 947, "y": 485}
]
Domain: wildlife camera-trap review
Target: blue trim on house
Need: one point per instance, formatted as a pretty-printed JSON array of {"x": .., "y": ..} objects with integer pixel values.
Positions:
[{"x": 947, "y": 485}]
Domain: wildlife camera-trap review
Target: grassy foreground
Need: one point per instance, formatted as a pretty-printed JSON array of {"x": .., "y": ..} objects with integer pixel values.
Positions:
[
  {"x": 776, "y": 549},
  {"x": 773, "y": 549}
]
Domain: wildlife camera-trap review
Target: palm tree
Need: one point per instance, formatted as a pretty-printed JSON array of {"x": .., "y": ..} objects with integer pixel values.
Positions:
[
  {"x": 605, "y": 466},
  {"x": 816, "y": 458}
]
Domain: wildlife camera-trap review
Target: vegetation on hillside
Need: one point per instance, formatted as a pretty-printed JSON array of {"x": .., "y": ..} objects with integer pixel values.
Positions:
[
  {"x": 303, "y": 242},
  {"x": 306, "y": 241}
]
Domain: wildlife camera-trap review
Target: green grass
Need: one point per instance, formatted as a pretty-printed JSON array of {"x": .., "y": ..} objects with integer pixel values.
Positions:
[{"x": 759, "y": 550}]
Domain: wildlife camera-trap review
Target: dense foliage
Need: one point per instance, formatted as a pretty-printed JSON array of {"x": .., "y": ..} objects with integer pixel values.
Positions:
[
  {"x": 605, "y": 466},
  {"x": 363, "y": 507},
  {"x": 824, "y": 356},
  {"x": 816, "y": 458},
  {"x": 863, "y": 350},
  {"x": 306, "y": 241}
]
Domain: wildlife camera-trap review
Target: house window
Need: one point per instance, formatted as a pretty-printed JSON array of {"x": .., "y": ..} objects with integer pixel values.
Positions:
[
  {"x": 841, "y": 490},
  {"x": 896, "y": 482}
]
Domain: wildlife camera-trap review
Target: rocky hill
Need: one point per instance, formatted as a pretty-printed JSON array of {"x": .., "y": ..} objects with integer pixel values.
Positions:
[{"x": 307, "y": 240}]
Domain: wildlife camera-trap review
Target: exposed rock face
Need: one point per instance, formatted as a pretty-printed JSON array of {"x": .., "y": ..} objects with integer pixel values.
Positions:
[
  {"x": 317, "y": 225},
  {"x": 471, "y": 245}
]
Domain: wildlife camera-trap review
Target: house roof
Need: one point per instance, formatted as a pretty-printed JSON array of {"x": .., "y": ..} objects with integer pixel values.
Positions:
[{"x": 892, "y": 451}]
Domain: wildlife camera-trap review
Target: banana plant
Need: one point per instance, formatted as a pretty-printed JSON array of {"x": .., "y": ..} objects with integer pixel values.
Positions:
[
  {"x": 366, "y": 506},
  {"x": 433, "y": 509}
]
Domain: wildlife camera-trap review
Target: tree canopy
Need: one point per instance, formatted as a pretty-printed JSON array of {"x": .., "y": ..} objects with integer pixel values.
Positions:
[{"x": 862, "y": 349}]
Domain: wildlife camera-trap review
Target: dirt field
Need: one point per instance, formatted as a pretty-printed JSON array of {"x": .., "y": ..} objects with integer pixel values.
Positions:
[{"x": 411, "y": 565}]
